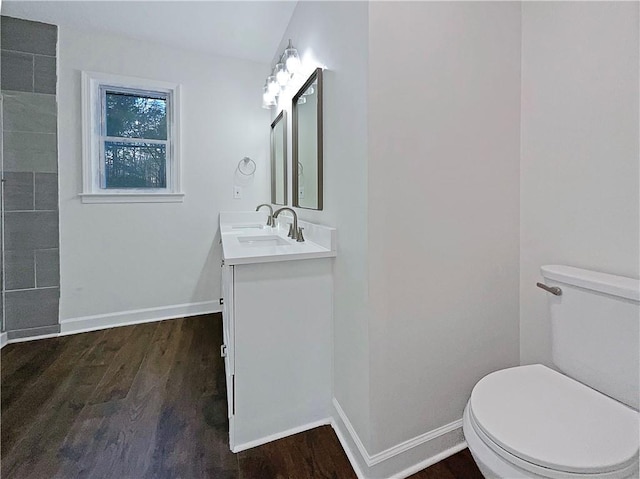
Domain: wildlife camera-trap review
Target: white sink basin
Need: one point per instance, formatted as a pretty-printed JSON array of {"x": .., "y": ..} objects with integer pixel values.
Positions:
[
  {"x": 246, "y": 239},
  {"x": 262, "y": 241},
  {"x": 248, "y": 227}
]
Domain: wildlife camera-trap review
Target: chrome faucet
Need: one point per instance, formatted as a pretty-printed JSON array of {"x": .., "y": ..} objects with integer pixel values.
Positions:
[
  {"x": 294, "y": 232},
  {"x": 271, "y": 221}
]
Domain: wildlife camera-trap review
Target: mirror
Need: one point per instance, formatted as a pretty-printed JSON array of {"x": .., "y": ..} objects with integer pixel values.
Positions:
[
  {"x": 279, "y": 159},
  {"x": 307, "y": 143}
]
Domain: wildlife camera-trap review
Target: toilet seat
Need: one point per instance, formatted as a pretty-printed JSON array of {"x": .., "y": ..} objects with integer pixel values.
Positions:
[{"x": 551, "y": 425}]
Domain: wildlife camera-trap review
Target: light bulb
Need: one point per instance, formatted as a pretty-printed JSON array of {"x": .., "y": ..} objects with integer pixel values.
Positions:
[
  {"x": 292, "y": 59},
  {"x": 282, "y": 75},
  {"x": 268, "y": 100},
  {"x": 272, "y": 86},
  {"x": 293, "y": 64}
]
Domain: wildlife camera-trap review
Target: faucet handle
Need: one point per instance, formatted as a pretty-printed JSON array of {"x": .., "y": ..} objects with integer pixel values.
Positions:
[{"x": 300, "y": 237}]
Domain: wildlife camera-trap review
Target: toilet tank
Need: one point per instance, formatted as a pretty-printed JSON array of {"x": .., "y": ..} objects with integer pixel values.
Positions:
[{"x": 595, "y": 330}]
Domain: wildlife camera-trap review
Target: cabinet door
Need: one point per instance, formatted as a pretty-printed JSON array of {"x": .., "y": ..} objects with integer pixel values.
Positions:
[{"x": 228, "y": 333}]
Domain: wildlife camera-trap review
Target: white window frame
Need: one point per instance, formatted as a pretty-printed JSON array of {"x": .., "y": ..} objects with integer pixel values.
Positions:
[{"x": 93, "y": 84}]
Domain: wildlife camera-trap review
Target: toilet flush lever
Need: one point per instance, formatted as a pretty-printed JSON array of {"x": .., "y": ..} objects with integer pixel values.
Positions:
[{"x": 551, "y": 289}]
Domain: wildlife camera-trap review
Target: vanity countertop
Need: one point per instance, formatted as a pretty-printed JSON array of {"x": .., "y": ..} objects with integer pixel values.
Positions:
[{"x": 246, "y": 239}]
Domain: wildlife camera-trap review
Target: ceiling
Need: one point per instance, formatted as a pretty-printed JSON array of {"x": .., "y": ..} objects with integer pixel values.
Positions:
[{"x": 250, "y": 30}]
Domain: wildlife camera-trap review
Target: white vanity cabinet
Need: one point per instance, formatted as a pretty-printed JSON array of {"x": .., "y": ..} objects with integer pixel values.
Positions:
[
  {"x": 226, "y": 350},
  {"x": 277, "y": 318}
]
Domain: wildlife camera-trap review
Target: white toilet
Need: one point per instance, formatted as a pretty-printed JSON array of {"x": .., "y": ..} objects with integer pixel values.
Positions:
[{"x": 533, "y": 422}]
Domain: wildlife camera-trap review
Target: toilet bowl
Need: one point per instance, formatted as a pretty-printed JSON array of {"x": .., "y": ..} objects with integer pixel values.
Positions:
[{"x": 535, "y": 422}]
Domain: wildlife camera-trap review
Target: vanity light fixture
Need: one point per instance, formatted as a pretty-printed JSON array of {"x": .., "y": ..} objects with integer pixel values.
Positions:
[{"x": 288, "y": 65}]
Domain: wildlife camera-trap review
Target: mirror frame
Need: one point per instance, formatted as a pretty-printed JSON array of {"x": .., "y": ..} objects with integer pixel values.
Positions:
[
  {"x": 316, "y": 75},
  {"x": 282, "y": 117}
]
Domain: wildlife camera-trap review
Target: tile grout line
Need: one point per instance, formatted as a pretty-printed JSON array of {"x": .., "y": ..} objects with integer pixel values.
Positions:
[
  {"x": 30, "y": 289},
  {"x": 26, "y": 132},
  {"x": 33, "y": 211},
  {"x": 35, "y": 270},
  {"x": 28, "y": 53}
]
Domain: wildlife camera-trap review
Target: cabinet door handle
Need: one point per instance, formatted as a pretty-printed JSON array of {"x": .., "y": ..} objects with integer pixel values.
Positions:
[
  {"x": 223, "y": 351},
  {"x": 221, "y": 300}
]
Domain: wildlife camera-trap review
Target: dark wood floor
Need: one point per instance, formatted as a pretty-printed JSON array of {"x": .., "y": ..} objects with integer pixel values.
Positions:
[{"x": 147, "y": 401}]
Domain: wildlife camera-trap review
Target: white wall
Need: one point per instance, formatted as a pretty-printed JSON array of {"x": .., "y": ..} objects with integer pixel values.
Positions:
[
  {"x": 422, "y": 113},
  {"x": 122, "y": 257},
  {"x": 579, "y": 167},
  {"x": 334, "y": 34},
  {"x": 444, "y": 115}
]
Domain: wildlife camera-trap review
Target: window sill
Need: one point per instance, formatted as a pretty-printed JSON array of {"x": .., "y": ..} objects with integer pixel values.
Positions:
[{"x": 132, "y": 197}]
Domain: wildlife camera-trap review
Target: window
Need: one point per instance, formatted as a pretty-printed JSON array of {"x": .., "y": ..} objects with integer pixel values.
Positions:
[{"x": 131, "y": 140}]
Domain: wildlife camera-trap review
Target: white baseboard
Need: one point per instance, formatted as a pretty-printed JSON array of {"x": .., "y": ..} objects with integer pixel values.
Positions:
[
  {"x": 364, "y": 454},
  {"x": 344, "y": 442},
  {"x": 136, "y": 316},
  {"x": 430, "y": 461},
  {"x": 415, "y": 442},
  {"x": 280, "y": 435},
  {"x": 402, "y": 460},
  {"x": 122, "y": 318},
  {"x": 32, "y": 338}
]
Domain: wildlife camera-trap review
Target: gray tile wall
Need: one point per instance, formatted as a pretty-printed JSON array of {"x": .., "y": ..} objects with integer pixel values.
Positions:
[
  {"x": 30, "y": 198},
  {"x": 28, "y": 56}
]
